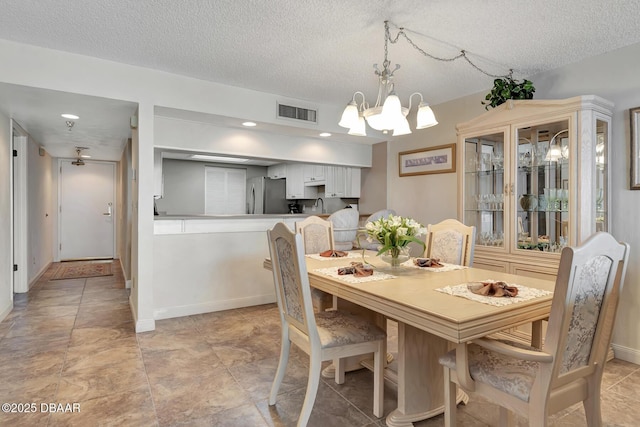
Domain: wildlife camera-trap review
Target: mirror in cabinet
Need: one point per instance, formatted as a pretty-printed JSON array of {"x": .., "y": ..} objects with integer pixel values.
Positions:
[{"x": 484, "y": 188}]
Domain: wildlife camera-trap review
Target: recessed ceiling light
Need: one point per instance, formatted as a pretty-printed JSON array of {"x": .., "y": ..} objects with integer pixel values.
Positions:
[
  {"x": 217, "y": 158},
  {"x": 249, "y": 124},
  {"x": 325, "y": 134},
  {"x": 70, "y": 116}
]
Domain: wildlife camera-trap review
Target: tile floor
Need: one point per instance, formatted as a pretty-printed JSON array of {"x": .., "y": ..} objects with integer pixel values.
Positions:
[{"x": 73, "y": 342}]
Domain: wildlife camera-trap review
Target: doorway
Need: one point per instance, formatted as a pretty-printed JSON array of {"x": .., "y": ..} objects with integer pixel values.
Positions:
[
  {"x": 20, "y": 280},
  {"x": 87, "y": 210}
]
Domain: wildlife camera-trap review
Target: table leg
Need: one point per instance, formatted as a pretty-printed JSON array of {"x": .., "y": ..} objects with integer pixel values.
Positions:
[{"x": 420, "y": 377}]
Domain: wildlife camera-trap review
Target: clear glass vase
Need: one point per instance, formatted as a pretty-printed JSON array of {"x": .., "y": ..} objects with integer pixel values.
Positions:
[{"x": 396, "y": 256}]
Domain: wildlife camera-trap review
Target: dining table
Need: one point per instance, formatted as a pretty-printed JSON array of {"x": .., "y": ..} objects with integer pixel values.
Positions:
[{"x": 435, "y": 312}]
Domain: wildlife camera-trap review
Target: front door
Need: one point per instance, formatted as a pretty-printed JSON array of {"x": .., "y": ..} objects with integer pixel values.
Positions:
[{"x": 87, "y": 210}]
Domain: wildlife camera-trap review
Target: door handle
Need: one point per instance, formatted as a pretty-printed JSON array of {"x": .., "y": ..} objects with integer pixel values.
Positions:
[{"x": 108, "y": 213}]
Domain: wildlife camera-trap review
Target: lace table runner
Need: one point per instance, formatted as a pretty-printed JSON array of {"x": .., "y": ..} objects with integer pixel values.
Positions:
[
  {"x": 333, "y": 258},
  {"x": 524, "y": 294},
  {"x": 350, "y": 278},
  {"x": 445, "y": 267}
]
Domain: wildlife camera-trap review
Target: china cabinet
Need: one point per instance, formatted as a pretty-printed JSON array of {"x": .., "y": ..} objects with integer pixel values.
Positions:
[{"x": 533, "y": 178}]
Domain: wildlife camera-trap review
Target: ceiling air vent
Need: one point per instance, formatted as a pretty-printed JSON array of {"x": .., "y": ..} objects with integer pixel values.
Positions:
[{"x": 297, "y": 113}]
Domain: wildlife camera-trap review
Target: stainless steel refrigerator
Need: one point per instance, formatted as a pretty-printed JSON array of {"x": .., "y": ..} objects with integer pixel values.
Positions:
[{"x": 266, "y": 196}]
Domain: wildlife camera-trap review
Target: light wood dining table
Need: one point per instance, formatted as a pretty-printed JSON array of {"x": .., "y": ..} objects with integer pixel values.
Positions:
[{"x": 430, "y": 322}]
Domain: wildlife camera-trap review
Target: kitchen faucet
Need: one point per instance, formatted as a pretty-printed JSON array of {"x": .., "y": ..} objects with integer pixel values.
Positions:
[{"x": 316, "y": 204}]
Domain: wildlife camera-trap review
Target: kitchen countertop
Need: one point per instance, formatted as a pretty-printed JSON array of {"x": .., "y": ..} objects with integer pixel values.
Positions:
[{"x": 244, "y": 216}]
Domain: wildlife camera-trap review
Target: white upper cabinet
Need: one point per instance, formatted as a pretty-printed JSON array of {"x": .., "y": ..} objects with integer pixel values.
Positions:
[
  {"x": 295, "y": 188},
  {"x": 352, "y": 183},
  {"x": 277, "y": 171},
  {"x": 314, "y": 174}
]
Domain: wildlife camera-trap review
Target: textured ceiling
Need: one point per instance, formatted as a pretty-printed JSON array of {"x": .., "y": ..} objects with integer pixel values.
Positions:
[{"x": 323, "y": 50}]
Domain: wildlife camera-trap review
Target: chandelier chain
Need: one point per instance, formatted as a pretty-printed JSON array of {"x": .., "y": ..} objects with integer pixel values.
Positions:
[{"x": 462, "y": 54}]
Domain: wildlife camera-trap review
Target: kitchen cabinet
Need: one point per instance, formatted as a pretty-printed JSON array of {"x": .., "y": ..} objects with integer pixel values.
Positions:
[
  {"x": 335, "y": 182},
  {"x": 314, "y": 174},
  {"x": 342, "y": 182},
  {"x": 277, "y": 171},
  {"x": 534, "y": 177},
  {"x": 295, "y": 188},
  {"x": 352, "y": 182}
]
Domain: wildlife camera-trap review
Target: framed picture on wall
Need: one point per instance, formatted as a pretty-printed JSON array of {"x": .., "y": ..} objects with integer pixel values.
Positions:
[
  {"x": 634, "y": 117},
  {"x": 424, "y": 161}
]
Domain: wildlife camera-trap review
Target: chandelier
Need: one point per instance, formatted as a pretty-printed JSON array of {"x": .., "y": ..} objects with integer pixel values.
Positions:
[{"x": 388, "y": 114}]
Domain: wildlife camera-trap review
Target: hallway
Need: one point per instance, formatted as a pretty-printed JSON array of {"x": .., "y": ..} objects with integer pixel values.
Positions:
[{"x": 73, "y": 342}]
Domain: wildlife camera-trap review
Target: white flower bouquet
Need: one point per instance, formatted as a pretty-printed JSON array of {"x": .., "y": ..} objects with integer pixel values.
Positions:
[{"x": 394, "y": 233}]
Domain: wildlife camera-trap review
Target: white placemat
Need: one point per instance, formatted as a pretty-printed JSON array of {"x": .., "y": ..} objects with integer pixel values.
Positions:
[
  {"x": 524, "y": 294},
  {"x": 445, "y": 266},
  {"x": 333, "y": 258},
  {"x": 350, "y": 278}
]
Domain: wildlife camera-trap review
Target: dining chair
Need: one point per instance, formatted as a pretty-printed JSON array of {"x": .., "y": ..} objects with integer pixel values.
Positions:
[
  {"x": 568, "y": 369},
  {"x": 328, "y": 335},
  {"x": 451, "y": 241},
  {"x": 362, "y": 236},
  {"x": 317, "y": 236},
  {"x": 345, "y": 228}
]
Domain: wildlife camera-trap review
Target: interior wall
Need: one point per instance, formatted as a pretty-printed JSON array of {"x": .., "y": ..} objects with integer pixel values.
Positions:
[
  {"x": 40, "y": 207},
  {"x": 6, "y": 226},
  {"x": 205, "y": 137},
  {"x": 124, "y": 216},
  {"x": 373, "y": 195}
]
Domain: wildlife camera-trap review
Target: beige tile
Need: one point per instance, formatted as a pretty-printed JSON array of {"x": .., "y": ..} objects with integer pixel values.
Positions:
[
  {"x": 27, "y": 325},
  {"x": 93, "y": 382},
  {"x": 33, "y": 366},
  {"x": 101, "y": 317},
  {"x": 181, "y": 396},
  {"x": 161, "y": 340},
  {"x": 36, "y": 389},
  {"x": 257, "y": 378},
  {"x": 12, "y": 349},
  {"x": 101, "y": 354},
  {"x": 330, "y": 409},
  {"x": 83, "y": 336},
  {"x": 126, "y": 409},
  {"x": 189, "y": 361},
  {"x": 247, "y": 350}
]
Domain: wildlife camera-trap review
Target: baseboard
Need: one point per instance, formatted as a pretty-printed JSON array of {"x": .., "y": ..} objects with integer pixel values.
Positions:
[
  {"x": 208, "y": 307},
  {"x": 39, "y": 275},
  {"x": 627, "y": 354},
  {"x": 4, "y": 313},
  {"x": 127, "y": 283},
  {"x": 145, "y": 325}
]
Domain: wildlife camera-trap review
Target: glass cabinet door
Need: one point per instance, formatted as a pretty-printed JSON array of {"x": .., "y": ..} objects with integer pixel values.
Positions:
[
  {"x": 601, "y": 181},
  {"x": 484, "y": 182},
  {"x": 542, "y": 184}
]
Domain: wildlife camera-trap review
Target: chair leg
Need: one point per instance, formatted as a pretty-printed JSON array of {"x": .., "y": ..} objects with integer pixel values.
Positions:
[
  {"x": 282, "y": 367},
  {"x": 379, "y": 358},
  {"x": 592, "y": 408},
  {"x": 449, "y": 399},
  {"x": 315, "y": 368},
  {"x": 338, "y": 365},
  {"x": 506, "y": 417}
]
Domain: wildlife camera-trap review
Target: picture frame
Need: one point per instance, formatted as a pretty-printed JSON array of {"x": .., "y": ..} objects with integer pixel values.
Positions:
[
  {"x": 425, "y": 161},
  {"x": 634, "y": 118}
]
